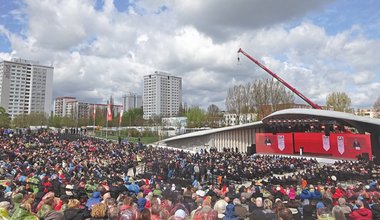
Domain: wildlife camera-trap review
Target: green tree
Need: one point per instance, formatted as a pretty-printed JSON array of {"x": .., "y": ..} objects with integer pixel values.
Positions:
[
  {"x": 133, "y": 117},
  {"x": 68, "y": 122},
  {"x": 21, "y": 121},
  {"x": 4, "y": 118},
  {"x": 339, "y": 101},
  {"x": 55, "y": 121},
  {"x": 196, "y": 117}
]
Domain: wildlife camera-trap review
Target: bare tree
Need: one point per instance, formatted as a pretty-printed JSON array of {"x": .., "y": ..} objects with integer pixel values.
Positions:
[
  {"x": 261, "y": 97},
  {"x": 338, "y": 101},
  {"x": 376, "y": 105},
  {"x": 213, "y": 115},
  {"x": 237, "y": 99}
]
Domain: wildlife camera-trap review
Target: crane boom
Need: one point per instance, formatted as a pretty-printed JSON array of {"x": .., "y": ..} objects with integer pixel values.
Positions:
[{"x": 303, "y": 97}]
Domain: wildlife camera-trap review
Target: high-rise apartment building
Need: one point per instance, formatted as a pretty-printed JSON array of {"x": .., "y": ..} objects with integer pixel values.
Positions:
[
  {"x": 70, "y": 107},
  {"x": 60, "y": 105},
  {"x": 25, "y": 87},
  {"x": 131, "y": 101},
  {"x": 162, "y": 95}
]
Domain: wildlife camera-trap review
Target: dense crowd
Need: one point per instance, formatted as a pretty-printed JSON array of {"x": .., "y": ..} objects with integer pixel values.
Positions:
[{"x": 70, "y": 176}]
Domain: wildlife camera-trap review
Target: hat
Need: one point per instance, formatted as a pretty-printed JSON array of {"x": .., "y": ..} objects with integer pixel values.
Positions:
[
  {"x": 200, "y": 193},
  {"x": 320, "y": 205},
  {"x": 180, "y": 213}
]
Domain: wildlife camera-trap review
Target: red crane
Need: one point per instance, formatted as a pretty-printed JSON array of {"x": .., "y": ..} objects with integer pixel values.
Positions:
[{"x": 315, "y": 106}]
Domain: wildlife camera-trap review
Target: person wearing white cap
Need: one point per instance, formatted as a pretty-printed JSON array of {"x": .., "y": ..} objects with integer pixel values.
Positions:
[
  {"x": 179, "y": 215},
  {"x": 220, "y": 206}
]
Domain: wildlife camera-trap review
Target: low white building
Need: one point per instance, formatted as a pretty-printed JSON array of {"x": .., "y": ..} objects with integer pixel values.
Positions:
[
  {"x": 367, "y": 112},
  {"x": 235, "y": 119}
]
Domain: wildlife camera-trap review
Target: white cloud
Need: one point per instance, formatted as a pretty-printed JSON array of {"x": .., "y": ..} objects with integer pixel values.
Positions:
[{"x": 106, "y": 52}]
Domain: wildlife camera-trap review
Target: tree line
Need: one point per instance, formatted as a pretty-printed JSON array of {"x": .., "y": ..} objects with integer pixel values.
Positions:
[{"x": 260, "y": 97}]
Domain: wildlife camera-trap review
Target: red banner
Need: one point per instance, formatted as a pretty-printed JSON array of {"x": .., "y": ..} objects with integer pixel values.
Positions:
[
  {"x": 340, "y": 145},
  {"x": 281, "y": 143},
  {"x": 351, "y": 145}
]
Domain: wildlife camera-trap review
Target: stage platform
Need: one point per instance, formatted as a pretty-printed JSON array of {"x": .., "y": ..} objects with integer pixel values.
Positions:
[{"x": 320, "y": 158}]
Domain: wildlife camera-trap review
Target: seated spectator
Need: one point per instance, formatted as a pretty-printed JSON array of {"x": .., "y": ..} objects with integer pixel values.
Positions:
[
  {"x": 268, "y": 210},
  {"x": 230, "y": 214},
  {"x": 338, "y": 214},
  {"x": 343, "y": 205},
  {"x": 240, "y": 211},
  {"x": 308, "y": 213},
  {"x": 144, "y": 214},
  {"x": 375, "y": 207},
  {"x": 285, "y": 214},
  {"x": 361, "y": 212},
  {"x": 113, "y": 213},
  {"x": 206, "y": 212},
  {"x": 74, "y": 212},
  {"x": 99, "y": 211},
  {"x": 179, "y": 215}
]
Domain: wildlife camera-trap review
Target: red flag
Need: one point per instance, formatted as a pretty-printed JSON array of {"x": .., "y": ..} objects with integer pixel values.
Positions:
[
  {"x": 109, "y": 113},
  {"x": 121, "y": 116}
]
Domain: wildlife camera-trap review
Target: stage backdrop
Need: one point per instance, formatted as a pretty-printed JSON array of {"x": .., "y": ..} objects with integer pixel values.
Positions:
[
  {"x": 341, "y": 145},
  {"x": 280, "y": 143},
  {"x": 351, "y": 145}
]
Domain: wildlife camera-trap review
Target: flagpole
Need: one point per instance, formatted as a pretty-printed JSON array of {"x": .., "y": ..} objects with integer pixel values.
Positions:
[
  {"x": 120, "y": 119},
  {"x": 94, "y": 115},
  {"x": 118, "y": 129},
  {"x": 106, "y": 128}
]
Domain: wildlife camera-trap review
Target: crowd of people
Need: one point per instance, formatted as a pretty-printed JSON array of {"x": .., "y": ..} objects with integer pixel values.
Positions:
[{"x": 70, "y": 176}]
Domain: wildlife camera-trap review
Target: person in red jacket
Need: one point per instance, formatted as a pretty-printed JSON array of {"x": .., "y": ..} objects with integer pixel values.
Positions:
[{"x": 361, "y": 213}]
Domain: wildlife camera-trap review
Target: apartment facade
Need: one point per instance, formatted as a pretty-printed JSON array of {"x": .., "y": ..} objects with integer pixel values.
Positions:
[
  {"x": 131, "y": 101},
  {"x": 162, "y": 95},
  {"x": 25, "y": 87},
  {"x": 70, "y": 107}
]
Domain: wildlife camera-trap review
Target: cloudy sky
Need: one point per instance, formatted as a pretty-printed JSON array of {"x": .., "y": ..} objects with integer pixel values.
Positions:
[{"x": 101, "y": 48}]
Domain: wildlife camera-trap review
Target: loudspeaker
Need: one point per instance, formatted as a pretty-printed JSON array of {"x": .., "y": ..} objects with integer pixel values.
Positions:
[
  {"x": 251, "y": 149},
  {"x": 327, "y": 130}
]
